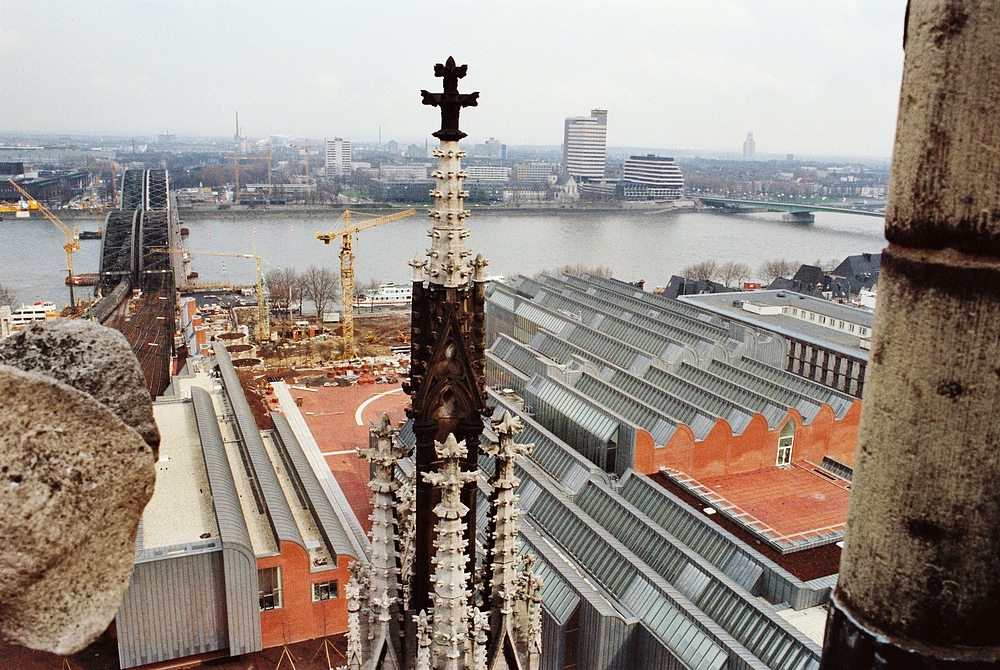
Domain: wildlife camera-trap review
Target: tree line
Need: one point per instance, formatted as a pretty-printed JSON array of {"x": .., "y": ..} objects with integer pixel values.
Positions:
[
  {"x": 736, "y": 272},
  {"x": 289, "y": 288}
]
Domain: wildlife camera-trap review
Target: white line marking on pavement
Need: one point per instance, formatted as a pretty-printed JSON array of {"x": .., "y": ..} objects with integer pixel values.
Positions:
[{"x": 361, "y": 407}]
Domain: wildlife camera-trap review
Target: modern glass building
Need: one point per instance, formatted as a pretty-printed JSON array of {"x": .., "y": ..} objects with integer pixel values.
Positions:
[
  {"x": 584, "y": 145},
  {"x": 652, "y": 177}
]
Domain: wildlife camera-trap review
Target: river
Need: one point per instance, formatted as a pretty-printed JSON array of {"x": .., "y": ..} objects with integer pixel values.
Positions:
[{"x": 634, "y": 245}]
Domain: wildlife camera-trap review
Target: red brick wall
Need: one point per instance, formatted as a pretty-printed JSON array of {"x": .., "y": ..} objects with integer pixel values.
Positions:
[
  {"x": 299, "y": 618},
  {"x": 722, "y": 453}
]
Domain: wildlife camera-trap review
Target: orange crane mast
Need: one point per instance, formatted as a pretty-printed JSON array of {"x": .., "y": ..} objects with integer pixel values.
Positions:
[
  {"x": 347, "y": 266},
  {"x": 72, "y": 236}
]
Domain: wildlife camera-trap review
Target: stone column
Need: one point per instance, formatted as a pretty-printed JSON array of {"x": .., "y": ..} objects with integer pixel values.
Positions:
[{"x": 920, "y": 574}]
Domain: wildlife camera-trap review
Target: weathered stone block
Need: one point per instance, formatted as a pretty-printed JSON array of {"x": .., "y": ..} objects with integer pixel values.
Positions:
[
  {"x": 92, "y": 359},
  {"x": 74, "y": 480}
]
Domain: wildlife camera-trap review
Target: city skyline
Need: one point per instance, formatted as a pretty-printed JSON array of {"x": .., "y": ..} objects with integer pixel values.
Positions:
[{"x": 804, "y": 79}]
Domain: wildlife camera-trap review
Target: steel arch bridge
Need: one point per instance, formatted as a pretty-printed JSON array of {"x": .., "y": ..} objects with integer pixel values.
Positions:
[{"x": 132, "y": 257}]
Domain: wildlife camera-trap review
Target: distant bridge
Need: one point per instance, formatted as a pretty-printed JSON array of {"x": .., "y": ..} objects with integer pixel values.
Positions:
[
  {"x": 132, "y": 257},
  {"x": 797, "y": 212}
]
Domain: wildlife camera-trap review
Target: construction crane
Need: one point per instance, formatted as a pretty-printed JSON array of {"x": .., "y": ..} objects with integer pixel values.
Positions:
[
  {"x": 20, "y": 206},
  {"x": 347, "y": 266},
  {"x": 72, "y": 236},
  {"x": 263, "y": 304}
]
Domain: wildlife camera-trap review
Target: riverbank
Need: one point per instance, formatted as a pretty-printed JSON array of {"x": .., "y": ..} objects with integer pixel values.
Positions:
[
  {"x": 242, "y": 212},
  {"x": 635, "y": 244}
]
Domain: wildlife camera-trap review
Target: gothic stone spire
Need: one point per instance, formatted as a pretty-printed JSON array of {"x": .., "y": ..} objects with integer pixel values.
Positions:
[
  {"x": 447, "y": 371},
  {"x": 452, "y": 612}
]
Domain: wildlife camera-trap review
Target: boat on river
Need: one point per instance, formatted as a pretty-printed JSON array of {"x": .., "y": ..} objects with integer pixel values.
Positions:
[{"x": 386, "y": 295}]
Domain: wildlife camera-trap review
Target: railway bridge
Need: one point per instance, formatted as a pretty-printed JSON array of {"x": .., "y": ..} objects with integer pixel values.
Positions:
[
  {"x": 137, "y": 277},
  {"x": 795, "y": 212}
]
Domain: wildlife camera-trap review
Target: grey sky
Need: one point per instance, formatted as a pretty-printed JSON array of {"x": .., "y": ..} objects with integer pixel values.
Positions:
[{"x": 805, "y": 77}]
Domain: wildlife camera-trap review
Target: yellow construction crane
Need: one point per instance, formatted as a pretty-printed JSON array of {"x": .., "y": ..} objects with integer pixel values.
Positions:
[
  {"x": 347, "y": 266},
  {"x": 263, "y": 306},
  {"x": 72, "y": 236},
  {"x": 20, "y": 206}
]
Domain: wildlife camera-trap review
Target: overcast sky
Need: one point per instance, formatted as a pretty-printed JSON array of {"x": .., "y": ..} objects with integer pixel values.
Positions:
[{"x": 804, "y": 77}]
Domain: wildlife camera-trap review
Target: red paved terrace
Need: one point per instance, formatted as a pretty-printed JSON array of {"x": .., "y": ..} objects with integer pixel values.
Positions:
[
  {"x": 329, "y": 412},
  {"x": 782, "y": 506}
]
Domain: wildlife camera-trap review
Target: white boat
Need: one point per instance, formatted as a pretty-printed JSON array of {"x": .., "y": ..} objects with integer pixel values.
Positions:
[
  {"x": 38, "y": 311},
  {"x": 386, "y": 295}
]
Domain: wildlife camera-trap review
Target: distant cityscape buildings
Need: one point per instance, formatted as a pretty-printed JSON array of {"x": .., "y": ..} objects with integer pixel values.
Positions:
[
  {"x": 652, "y": 177},
  {"x": 585, "y": 145},
  {"x": 748, "y": 148},
  {"x": 491, "y": 148},
  {"x": 338, "y": 157}
]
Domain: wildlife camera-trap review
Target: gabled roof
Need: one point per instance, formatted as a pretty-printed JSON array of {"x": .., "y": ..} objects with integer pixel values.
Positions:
[
  {"x": 809, "y": 274},
  {"x": 862, "y": 270}
]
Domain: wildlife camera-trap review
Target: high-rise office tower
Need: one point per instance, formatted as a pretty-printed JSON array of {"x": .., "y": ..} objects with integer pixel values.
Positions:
[
  {"x": 584, "y": 143},
  {"x": 748, "y": 147},
  {"x": 338, "y": 157}
]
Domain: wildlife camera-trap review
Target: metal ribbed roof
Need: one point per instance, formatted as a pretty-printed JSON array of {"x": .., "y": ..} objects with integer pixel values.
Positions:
[
  {"x": 651, "y": 299},
  {"x": 660, "y": 425},
  {"x": 664, "y": 321},
  {"x": 554, "y": 456},
  {"x": 558, "y": 597},
  {"x": 559, "y": 350},
  {"x": 608, "y": 348},
  {"x": 714, "y": 544},
  {"x": 755, "y": 626},
  {"x": 771, "y": 410},
  {"x": 541, "y": 317},
  {"x": 624, "y": 295},
  {"x": 626, "y": 325},
  {"x": 278, "y": 512},
  {"x": 501, "y": 298},
  {"x": 515, "y": 354},
  {"x": 839, "y": 402},
  {"x": 622, "y": 573},
  {"x": 582, "y": 414},
  {"x": 803, "y": 404},
  {"x": 659, "y": 386},
  {"x": 225, "y": 499},
  {"x": 333, "y": 531}
]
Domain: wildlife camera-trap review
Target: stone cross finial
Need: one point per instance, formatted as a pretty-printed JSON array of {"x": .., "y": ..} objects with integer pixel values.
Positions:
[{"x": 450, "y": 101}]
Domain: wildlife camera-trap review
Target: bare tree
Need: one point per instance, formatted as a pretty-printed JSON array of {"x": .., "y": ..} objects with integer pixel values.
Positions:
[
  {"x": 732, "y": 271},
  {"x": 320, "y": 286},
  {"x": 578, "y": 270},
  {"x": 7, "y": 296},
  {"x": 285, "y": 288},
  {"x": 361, "y": 289},
  {"x": 705, "y": 270},
  {"x": 781, "y": 267}
]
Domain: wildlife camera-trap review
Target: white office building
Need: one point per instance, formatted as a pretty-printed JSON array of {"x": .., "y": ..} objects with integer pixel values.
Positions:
[
  {"x": 584, "y": 145},
  {"x": 534, "y": 171},
  {"x": 652, "y": 177},
  {"x": 748, "y": 148},
  {"x": 338, "y": 157},
  {"x": 487, "y": 173}
]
